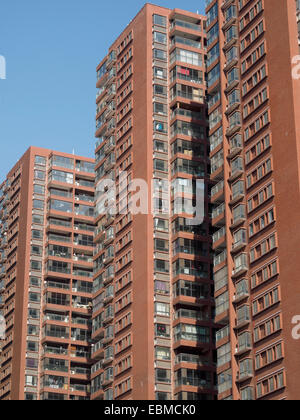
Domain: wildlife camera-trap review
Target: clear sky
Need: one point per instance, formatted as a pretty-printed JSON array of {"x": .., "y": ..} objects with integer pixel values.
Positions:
[{"x": 52, "y": 49}]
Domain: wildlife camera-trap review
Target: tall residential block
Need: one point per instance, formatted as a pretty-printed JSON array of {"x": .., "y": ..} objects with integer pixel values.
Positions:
[
  {"x": 46, "y": 269},
  {"x": 153, "y": 308},
  {"x": 298, "y": 19},
  {"x": 254, "y": 113}
]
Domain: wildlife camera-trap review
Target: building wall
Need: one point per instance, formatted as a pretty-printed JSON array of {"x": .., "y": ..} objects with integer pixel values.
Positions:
[
  {"x": 149, "y": 376},
  {"x": 48, "y": 271},
  {"x": 258, "y": 264}
]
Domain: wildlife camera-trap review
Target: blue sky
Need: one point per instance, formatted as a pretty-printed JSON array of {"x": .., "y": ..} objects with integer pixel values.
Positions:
[{"x": 52, "y": 49}]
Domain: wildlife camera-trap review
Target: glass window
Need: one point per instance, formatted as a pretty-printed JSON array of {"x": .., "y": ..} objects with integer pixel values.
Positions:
[
  {"x": 160, "y": 127},
  {"x": 212, "y": 14},
  {"x": 39, "y": 189},
  {"x": 59, "y": 205},
  {"x": 160, "y": 73},
  {"x": 37, "y": 219},
  {"x": 38, "y": 204},
  {"x": 213, "y": 75},
  {"x": 160, "y": 20},
  {"x": 36, "y": 265},
  {"x": 160, "y": 90},
  {"x": 160, "y": 54},
  {"x": 60, "y": 176},
  {"x": 159, "y": 37},
  {"x": 159, "y": 108},
  {"x": 36, "y": 250},
  {"x": 186, "y": 56},
  {"x": 40, "y": 175},
  {"x": 63, "y": 162},
  {"x": 37, "y": 234},
  {"x": 40, "y": 160}
]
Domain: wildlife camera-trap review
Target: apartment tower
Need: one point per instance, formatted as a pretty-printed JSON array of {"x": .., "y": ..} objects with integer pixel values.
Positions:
[
  {"x": 254, "y": 113},
  {"x": 46, "y": 231},
  {"x": 153, "y": 304}
]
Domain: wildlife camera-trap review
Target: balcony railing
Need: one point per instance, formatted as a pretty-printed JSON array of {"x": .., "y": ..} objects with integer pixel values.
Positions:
[
  {"x": 56, "y": 285},
  {"x": 218, "y": 211},
  {"x": 219, "y": 234},
  {"x": 186, "y": 25},
  {"x": 55, "y": 351},
  {"x": 193, "y": 382},
  {"x": 197, "y": 315},
  {"x": 220, "y": 258},
  {"x": 191, "y": 337},
  {"x": 223, "y": 333}
]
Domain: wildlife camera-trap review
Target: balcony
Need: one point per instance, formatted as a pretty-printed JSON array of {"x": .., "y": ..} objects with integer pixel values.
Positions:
[
  {"x": 108, "y": 356},
  {"x": 220, "y": 258},
  {"x": 55, "y": 368},
  {"x": 243, "y": 316},
  {"x": 58, "y": 318},
  {"x": 200, "y": 361},
  {"x": 219, "y": 239},
  {"x": 192, "y": 314},
  {"x": 239, "y": 216},
  {"x": 82, "y": 273},
  {"x": 231, "y": 38},
  {"x": 82, "y": 258},
  {"x": 108, "y": 315},
  {"x": 216, "y": 140},
  {"x": 98, "y": 350},
  {"x": 223, "y": 334},
  {"x": 80, "y": 388},
  {"x": 218, "y": 216},
  {"x": 235, "y": 124},
  {"x": 185, "y": 336},
  {"x": 108, "y": 259},
  {"x": 247, "y": 394},
  {"x": 109, "y": 239},
  {"x": 236, "y": 146},
  {"x": 222, "y": 308},
  {"x": 199, "y": 383},
  {"x": 178, "y": 24},
  {"x": 61, "y": 333},
  {"x": 244, "y": 344},
  {"x": 238, "y": 192},
  {"x": 217, "y": 168},
  {"x": 188, "y": 292},
  {"x": 59, "y": 238},
  {"x": 240, "y": 240},
  {"x": 57, "y": 285},
  {"x": 185, "y": 41},
  {"x": 57, "y": 351},
  {"x": 110, "y": 145},
  {"x": 112, "y": 58},
  {"x": 241, "y": 265},
  {"x": 2, "y": 272},
  {"x": 242, "y": 291},
  {"x": 246, "y": 371},
  {"x": 237, "y": 169},
  {"x": 58, "y": 270},
  {"x": 217, "y": 193},
  {"x": 108, "y": 277}
]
